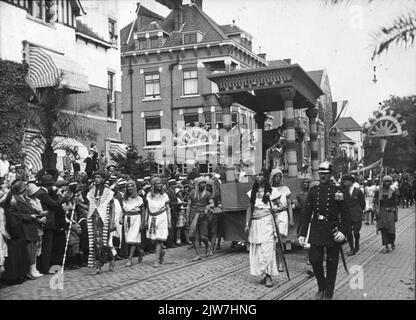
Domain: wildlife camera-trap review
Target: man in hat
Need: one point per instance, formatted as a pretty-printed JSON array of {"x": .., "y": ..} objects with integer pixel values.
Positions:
[
  {"x": 173, "y": 203},
  {"x": 55, "y": 222},
  {"x": 354, "y": 203},
  {"x": 329, "y": 223}
]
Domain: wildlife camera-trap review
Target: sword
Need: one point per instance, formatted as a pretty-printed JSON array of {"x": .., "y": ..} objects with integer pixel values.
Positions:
[
  {"x": 342, "y": 253},
  {"x": 280, "y": 241}
]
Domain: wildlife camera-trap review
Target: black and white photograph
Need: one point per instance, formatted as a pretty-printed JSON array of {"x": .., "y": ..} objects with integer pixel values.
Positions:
[{"x": 233, "y": 152}]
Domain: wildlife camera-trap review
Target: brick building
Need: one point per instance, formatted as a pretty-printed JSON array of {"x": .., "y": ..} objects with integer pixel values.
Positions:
[{"x": 165, "y": 61}]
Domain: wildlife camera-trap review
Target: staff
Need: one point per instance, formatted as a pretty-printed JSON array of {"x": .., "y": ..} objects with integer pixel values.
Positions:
[
  {"x": 67, "y": 239},
  {"x": 279, "y": 240}
]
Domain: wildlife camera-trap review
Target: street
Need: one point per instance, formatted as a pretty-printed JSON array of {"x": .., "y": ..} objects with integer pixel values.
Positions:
[{"x": 226, "y": 276}]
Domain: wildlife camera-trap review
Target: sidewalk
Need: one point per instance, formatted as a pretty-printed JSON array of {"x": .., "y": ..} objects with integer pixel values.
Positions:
[{"x": 385, "y": 276}]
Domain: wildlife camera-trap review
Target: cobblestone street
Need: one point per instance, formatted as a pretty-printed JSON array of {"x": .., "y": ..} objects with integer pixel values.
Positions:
[{"x": 226, "y": 275}]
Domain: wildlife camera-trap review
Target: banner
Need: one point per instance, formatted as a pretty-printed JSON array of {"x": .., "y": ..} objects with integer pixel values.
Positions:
[{"x": 372, "y": 166}]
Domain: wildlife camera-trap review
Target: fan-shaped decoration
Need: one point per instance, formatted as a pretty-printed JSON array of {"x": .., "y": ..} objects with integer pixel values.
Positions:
[
  {"x": 386, "y": 124},
  {"x": 194, "y": 136}
]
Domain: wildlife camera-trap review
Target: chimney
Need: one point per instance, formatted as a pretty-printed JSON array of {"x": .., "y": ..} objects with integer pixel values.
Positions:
[
  {"x": 288, "y": 61},
  {"x": 262, "y": 55},
  {"x": 178, "y": 18}
]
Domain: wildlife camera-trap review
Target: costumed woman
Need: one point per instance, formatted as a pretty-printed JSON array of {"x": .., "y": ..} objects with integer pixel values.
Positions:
[
  {"x": 282, "y": 206},
  {"x": 101, "y": 223},
  {"x": 133, "y": 220},
  {"x": 261, "y": 231},
  {"x": 386, "y": 213},
  {"x": 157, "y": 218}
]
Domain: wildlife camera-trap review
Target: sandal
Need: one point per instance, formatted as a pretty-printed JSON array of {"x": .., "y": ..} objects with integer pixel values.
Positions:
[
  {"x": 128, "y": 264},
  {"x": 197, "y": 258}
]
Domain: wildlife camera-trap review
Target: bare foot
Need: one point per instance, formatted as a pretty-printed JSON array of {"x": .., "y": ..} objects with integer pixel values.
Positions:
[{"x": 197, "y": 258}]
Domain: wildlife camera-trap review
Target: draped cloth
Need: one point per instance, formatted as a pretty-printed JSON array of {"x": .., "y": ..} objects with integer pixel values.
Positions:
[{"x": 101, "y": 224}]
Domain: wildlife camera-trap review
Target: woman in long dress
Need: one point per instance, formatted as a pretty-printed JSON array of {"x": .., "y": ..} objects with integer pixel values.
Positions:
[
  {"x": 133, "y": 220},
  {"x": 387, "y": 214},
  {"x": 157, "y": 218},
  {"x": 261, "y": 231},
  {"x": 283, "y": 207}
]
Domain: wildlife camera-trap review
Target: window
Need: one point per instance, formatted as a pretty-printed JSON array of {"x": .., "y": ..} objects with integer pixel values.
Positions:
[
  {"x": 234, "y": 119},
  {"x": 152, "y": 131},
  {"x": 218, "y": 120},
  {"x": 154, "y": 42},
  {"x": 190, "y": 82},
  {"x": 37, "y": 9},
  {"x": 189, "y": 38},
  {"x": 142, "y": 44},
  {"x": 191, "y": 119},
  {"x": 152, "y": 85},
  {"x": 50, "y": 10},
  {"x": 208, "y": 119},
  {"x": 111, "y": 108},
  {"x": 112, "y": 30},
  {"x": 243, "y": 122}
]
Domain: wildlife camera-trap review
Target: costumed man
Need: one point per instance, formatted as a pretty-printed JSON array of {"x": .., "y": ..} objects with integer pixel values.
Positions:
[
  {"x": 354, "y": 203},
  {"x": 101, "y": 223},
  {"x": 329, "y": 223},
  {"x": 199, "y": 203}
]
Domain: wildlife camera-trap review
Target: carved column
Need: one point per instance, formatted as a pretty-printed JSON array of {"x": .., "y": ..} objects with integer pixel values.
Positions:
[
  {"x": 313, "y": 134},
  {"x": 226, "y": 101},
  {"x": 288, "y": 95}
]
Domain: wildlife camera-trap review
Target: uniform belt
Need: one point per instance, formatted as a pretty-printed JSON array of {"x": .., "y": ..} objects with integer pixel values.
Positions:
[
  {"x": 156, "y": 213},
  {"x": 320, "y": 217}
]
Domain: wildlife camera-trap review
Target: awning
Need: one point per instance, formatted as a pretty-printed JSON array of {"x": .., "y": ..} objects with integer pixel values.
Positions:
[
  {"x": 47, "y": 69},
  {"x": 117, "y": 149}
]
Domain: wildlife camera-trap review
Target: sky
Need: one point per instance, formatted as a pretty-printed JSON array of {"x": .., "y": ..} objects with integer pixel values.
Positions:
[{"x": 317, "y": 36}]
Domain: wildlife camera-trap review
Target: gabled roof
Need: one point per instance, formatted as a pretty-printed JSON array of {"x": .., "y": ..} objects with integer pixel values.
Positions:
[
  {"x": 344, "y": 138},
  {"x": 153, "y": 26},
  {"x": 348, "y": 124},
  {"x": 141, "y": 11},
  {"x": 194, "y": 19},
  {"x": 316, "y": 76}
]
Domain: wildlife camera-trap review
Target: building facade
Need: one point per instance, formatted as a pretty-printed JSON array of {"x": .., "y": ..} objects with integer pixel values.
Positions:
[
  {"x": 77, "y": 42},
  {"x": 352, "y": 133},
  {"x": 165, "y": 64}
]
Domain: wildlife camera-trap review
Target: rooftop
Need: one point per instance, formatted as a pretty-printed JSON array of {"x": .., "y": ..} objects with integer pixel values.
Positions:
[{"x": 348, "y": 124}]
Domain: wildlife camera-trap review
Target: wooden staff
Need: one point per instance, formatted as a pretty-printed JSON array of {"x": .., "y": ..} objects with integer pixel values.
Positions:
[{"x": 67, "y": 239}]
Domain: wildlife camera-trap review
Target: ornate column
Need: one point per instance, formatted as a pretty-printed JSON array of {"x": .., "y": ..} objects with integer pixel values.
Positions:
[
  {"x": 313, "y": 134},
  {"x": 226, "y": 101},
  {"x": 288, "y": 95}
]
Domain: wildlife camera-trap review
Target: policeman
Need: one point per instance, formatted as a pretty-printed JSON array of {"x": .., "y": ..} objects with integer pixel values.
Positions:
[{"x": 329, "y": 222}]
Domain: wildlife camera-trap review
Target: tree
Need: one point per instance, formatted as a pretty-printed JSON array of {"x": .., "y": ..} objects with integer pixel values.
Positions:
[
  {"x": 401, "y": 31},
  {"x": 400, "y": 152},
  {"x": 14, "y": 97},
  {"x": 133, "y": 164},
  {"x": 48, "y": 121}
]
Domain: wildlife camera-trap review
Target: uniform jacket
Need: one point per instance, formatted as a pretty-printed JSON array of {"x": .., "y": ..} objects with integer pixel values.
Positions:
[
  {"x": 321, "y": 201},
  {"x": 354, "y": 204}
]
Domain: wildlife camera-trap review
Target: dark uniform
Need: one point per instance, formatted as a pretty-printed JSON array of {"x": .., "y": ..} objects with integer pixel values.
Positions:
[{"x": 324, "y": 213}]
